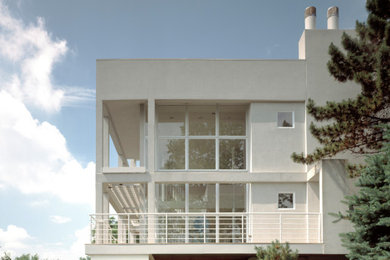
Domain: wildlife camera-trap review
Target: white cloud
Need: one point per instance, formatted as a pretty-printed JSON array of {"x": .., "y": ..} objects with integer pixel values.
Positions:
[
  {"x": 34, "y": 157},
  {"x": 34, "y": 52},
  {"x": 39, "y": 203},
  {"x": 16, "y": 241},
  {"x": 13, "y": 238},
  {"x": 59, "y": 219}
]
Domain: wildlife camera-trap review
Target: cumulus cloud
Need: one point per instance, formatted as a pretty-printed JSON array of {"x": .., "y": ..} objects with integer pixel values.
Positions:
[
  {"x": 16, "y": 241},
  {"x": 34, "y": 157},
  {"x": 59, "y": 219},
  {"x": 13, "y": 238},
  {"x": 32, "y": 52},
  {"x": 39, "y": 203}
]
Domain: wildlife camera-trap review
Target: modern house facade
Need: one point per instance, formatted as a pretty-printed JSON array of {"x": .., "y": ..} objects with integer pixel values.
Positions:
[{"x": 203, "y": 152}]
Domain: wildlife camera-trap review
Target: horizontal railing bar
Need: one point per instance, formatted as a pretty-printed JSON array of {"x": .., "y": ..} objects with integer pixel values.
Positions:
[{"x": 208, "y": 214}]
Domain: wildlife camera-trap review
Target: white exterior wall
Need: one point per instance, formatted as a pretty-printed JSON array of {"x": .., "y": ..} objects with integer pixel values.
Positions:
[
  {"x": 200, "y": 80},
  {"x": 265, "y": 196},
  {"x": 272, "y": 146}
]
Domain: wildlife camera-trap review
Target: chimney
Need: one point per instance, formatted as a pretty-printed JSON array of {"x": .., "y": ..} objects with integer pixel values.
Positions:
[
  {"x": 310, "y": 18},
  {"x": 333, "y": 18}
]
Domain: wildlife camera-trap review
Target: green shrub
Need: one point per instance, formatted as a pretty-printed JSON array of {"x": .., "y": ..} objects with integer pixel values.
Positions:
[{"x": 276, "y": 251}]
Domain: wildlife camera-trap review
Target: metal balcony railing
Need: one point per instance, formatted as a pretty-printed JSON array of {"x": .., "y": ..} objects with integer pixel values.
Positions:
[{"x": 191, "y": 228}]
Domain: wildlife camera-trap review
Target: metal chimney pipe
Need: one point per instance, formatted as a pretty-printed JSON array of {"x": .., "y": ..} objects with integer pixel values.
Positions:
[
  {"x": 333, "y": 18},
  {"x": 310, "y": 18}
]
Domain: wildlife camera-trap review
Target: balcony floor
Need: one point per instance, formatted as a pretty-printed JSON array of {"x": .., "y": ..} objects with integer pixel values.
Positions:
[{"x": 190, "y": 249}]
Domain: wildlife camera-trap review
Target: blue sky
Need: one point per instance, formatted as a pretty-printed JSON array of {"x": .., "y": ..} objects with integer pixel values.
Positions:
[{"x": 48, "y": 50}]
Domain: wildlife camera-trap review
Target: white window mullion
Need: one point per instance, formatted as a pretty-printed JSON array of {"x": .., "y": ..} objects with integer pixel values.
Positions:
[
  {"x": 247, "y": 141},
  {"x": 186, "y": 142},
  {"x": 217, "y": 139}
]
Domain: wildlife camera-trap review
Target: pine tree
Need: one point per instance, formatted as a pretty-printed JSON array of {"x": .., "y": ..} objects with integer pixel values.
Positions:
[
  {"x": 369, "y": 209},
  {"x": 366, "y": 61}
]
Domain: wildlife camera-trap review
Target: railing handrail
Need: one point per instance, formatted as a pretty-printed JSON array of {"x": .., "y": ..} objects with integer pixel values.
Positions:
[{"x": 208, "y": 213}]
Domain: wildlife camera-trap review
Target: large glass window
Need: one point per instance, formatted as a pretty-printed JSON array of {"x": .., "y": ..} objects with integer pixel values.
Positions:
[
  {"x": 170, "y": 197},
  {"x": 201, "y": 137},
  {"x": 202, "y": 197},
  {"x": 232, "y": 197},
  {"x": 199, "y": 199}
]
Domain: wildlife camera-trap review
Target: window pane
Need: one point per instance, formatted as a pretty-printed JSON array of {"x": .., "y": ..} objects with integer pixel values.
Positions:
[
  {"x": 201, "y": 154},
  {"x": 285, "y": 200},
  {"x": 232, "y": 154},
  {"x": 202, "y": 121},
  {"x": 285, "y": 119},
  {"x": 202, "y": 198},
  {"x": 171, "y": 121},
  {"x": 232, "y": 197},
  {"x": 232, "y": 121},
  {"x": 171, "y": 154},
  {"x": 170, "y": 197}
]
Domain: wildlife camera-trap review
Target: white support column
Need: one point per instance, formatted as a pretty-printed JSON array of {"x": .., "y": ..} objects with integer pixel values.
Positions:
[
  {"x": 151, "y": 209},
  {"x": 99, "y": 209},
  {"x": 142, "y": 135},
  {"x": 106, "y": 142},
  {"x": 106, "y": 218},
  {"x": 151, "y": 134},
  {"x": 122, "y": 228}
]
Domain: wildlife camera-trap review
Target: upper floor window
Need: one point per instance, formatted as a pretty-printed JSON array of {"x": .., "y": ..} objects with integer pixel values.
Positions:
[
  {"x": 201, "y": 137},
  {"x": 286, "y": 200},
  {"x": 285, "y": 119}
]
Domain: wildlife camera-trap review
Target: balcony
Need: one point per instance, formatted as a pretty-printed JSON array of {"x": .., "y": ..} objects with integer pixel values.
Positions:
[{"x": 205, "y": 228}]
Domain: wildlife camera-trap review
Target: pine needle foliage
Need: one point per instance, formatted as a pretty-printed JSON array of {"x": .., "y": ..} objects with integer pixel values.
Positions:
[
  {"x": 352, "y": 124},
  {"x": 369, "y": 209},
  {"x": 276, "y": 251}
]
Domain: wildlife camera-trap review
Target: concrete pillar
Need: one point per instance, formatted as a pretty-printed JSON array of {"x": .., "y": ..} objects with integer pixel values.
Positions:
[
  {"x": 142, "y": 135},
  {"x": 310, "y": 18},
  {"x": 106, "y": 142},
  {"x": 333, "y": 18},
  {"x": 151, "y": 134},
  {"x": 151, "y": 209},
  {"x": 122, "y": 228}
]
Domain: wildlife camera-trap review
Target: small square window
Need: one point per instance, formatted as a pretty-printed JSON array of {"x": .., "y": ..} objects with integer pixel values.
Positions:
[
  {"x": 285, "y": 200},
  {"x": 285, "y": 119}
]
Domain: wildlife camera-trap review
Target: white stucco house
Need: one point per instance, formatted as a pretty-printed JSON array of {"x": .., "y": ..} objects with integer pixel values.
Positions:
[{"x": 203, "y": 146}]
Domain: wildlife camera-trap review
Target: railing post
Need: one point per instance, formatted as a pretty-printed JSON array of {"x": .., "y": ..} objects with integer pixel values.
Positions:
[
  {"x": 217, "y": 228},
  {"x": 186, "y": 228},
  {"x": 166, "y": 228},
  {"x": 242, "y": 228},
  {"x": 129, "y": 235},
  {"x": 280, "y": 228},
  {"x": 307, "y": 227},
  {"x": 204, "y": 228},
  {"x": 90, "y": 229},
  {"x": 319, "y": 227}
]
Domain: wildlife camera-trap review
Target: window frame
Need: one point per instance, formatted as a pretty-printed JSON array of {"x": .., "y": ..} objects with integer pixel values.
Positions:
[
  {"x": 284, "y": 192},
  {"x": 292, "y": 118},
  {"x": 186, "y": 137}
]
